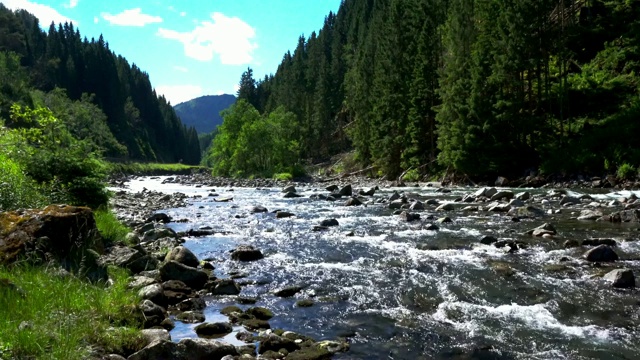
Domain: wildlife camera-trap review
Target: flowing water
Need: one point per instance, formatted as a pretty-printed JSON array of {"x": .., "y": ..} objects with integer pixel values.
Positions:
[{"x": 393, "y": 300}]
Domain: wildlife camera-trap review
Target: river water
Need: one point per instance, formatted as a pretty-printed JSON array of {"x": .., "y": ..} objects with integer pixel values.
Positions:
[{"x": 393, "y": 300}]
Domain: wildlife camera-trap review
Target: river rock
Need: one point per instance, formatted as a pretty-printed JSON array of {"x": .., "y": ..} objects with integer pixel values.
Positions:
[
  {"x": 602, "y": 253},
  {"x": 289, "y": 189},
  {"x": 590, "y": 215},
  {"x": 488, "y": 240},
  {"x": 416, "y": 205},
  {"x": 432, "y": 227},
  {"x": 333, "y": 346},
  {"x": 159, "y": 233},
  {"x": 329, "y": 222},
  {"x": 544, "y": 229},
  {"x": 43, "y": 234},
  {"x": 173, "y": 270},
  {"x": 502, "y": 194},
  {"x": 408, "y": 217},
  {"x": 524, "y": 196},
  {"x": 445, "y": 207},
  {"x": 498, "y": 207},
  {"x": 288, "y": 291},
  {"x": 207, "y": 349},
  {"x": 444, "y": 220},
  {"x": 134, "y": 259},
  {"x": 368, "y": 192},
  {"x": 290, "y": 195},
  {"x": 260, "y": 313},
  {"x": 569, "y": 200},
  {"x": 274, "y": 342},
  {"x": 599, "y": 241},
  {"x": 162, "y": 349},
  {"x": 153, "y": 292},
  {"x": 159, "y": 217},
  {"x": 621, "y": 278},
  {"x": 182, "y": 255},
  {"x": 191, "y": 317},
  {"x": 258, "y": 209},
  {"x": 246, "y": 253},
  {"x": 394, "y": 196},
  {"x": 396, "y": 204},
  {"x": 353, "y": 201},
  {"x": 346, "y": 190},
  {"x": 152, "y": 335},
  {"x": 218, "y": 329},
  {"x": 486, "y": 192},
  {"x": 283, "y": 215},
  {"x": 175, "y": 291},
  {"x": 571, "y": 243},
  {"x": 153, "y": 313},
  {"x": 332, "y": 188},
  {"x": 223, "y": 287},
  {"x": 138, "y": 282}
]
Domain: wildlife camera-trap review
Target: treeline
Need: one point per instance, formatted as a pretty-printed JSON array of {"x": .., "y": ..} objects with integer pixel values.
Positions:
[
  {"x": 144, "y": 125},
  {"x": 476, "y": 87}
]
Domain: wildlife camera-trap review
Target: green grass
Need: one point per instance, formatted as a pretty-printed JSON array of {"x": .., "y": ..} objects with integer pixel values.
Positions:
[
  {"x": 153, "y": 168},
  {"x": 110, "y": 228},
  {"x": 283, "y": 176},
  {"x": 55, "y": 317},
  {"x": 626, "y": 171}
]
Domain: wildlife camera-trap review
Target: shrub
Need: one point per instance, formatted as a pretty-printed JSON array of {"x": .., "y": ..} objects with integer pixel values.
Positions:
[
  {"x": 16, "y": 189},
  {"x": 412, "y": 175},
  {"x": 283, "y": 176},
  {"x": 626, "y": 171}
]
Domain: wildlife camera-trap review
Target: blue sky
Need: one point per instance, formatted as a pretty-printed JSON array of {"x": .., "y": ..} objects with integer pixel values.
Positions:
[{"x": 191, "y": 48}]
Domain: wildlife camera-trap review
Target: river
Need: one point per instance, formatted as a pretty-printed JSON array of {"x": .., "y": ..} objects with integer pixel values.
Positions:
[{"x": 399, "y": 291}]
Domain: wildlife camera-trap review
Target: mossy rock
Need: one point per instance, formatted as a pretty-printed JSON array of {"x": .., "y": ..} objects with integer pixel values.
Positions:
[
  {"x": 230, "y": 310},
  {"x": 260, "y": 313},
  {"x": 309, "y": 353},
  {"x": 305, "y": 303},
  {"x": 256, "y": 324},
  {"x": 502, "y": 268}
]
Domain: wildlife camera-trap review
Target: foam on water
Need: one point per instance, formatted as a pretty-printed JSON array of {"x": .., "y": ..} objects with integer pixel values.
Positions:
[{"x": 535, "y": 317}]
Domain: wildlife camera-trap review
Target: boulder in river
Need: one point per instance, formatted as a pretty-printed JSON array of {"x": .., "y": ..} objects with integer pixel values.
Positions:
[
  {"x": 259, "y": 209},
  {"x": 290, "y": 195},
  {"x": 353, "y": 201},
  {"x": 599, "y": 241},
  {"x": 486, "y": 192},
  {"x": 602, "y": 253},
  {"x": 283, "y": 214},
  {"x": 346, "y": 190},
  {"x": 288, "y": 291},
  {"x": 544, "y": 229},
  {"x": 290, "y": 188},
  {"x": 590, "y": 215},
  {"x": 182, "y": 255},
  {"x": 223, "y": 287},
  {"x": 246, "y": 253},
  {"x": 621, "y": 278},
  {"x": 218, "y": 329},
  {"x": 173, "y": 270},
  {"x": 502, "y": 194},
  {"x": 416, "y": 205},
  {"x": 445, "y": 207},
  {"x": 408, "y": 217},
  {"x": 329, "y": 222}
]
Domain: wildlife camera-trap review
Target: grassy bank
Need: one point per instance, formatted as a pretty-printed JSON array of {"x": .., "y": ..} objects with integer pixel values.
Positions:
[
  {"x": 49, "y": 316},
  {"x": 153, "y": 169}
]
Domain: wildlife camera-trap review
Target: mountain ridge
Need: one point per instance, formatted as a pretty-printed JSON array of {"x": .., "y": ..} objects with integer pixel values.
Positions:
[{"x": 203, "y": 113}]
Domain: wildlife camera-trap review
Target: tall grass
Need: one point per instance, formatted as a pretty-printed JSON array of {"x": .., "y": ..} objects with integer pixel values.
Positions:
[
  {"x": 152, "y": 168},
  {"x": 110, "y": 228},
  {"x": 61, "y": 317}
]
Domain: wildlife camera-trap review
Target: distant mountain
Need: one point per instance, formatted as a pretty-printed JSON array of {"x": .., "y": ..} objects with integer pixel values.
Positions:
[{"x": 203, "y": 113}]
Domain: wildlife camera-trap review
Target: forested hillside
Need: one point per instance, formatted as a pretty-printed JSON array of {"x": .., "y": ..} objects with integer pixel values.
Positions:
[
  {"x": 68, "y": 69},
  {"x": 476, "y": 87},
  {"x": 203, "y": 113}
]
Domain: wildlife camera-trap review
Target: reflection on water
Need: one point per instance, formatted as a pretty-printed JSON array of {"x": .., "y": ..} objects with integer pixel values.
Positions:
[{"x": 395, "y": 301}]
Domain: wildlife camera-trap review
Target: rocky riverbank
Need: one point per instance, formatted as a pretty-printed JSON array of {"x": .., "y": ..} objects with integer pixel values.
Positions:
[{"x": 599, "y": 257}]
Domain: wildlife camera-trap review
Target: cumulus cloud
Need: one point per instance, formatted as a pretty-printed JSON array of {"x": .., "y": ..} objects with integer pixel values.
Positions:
[
  {"x": 46, "y": 14},
  {"x": 177, "y": 94},
  {"x": 131, "y": 17},
  {"x": 71, "y": 4},
  {"x": 227, "y": 37}
]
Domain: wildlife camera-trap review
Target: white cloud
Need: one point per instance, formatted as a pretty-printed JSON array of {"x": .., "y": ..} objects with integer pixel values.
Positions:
[
  {"x": 183, "y": 13},
  {"x": 96, "y": 20},
  {"x": 131, "y": 17},
  {"x": 71, "y": 4},
  {"x": 46, "y": 14},
  {"x": 227, "y": 37},
  {"x": 181, "y": 69},
  {"x": 177, "y": 94}
]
